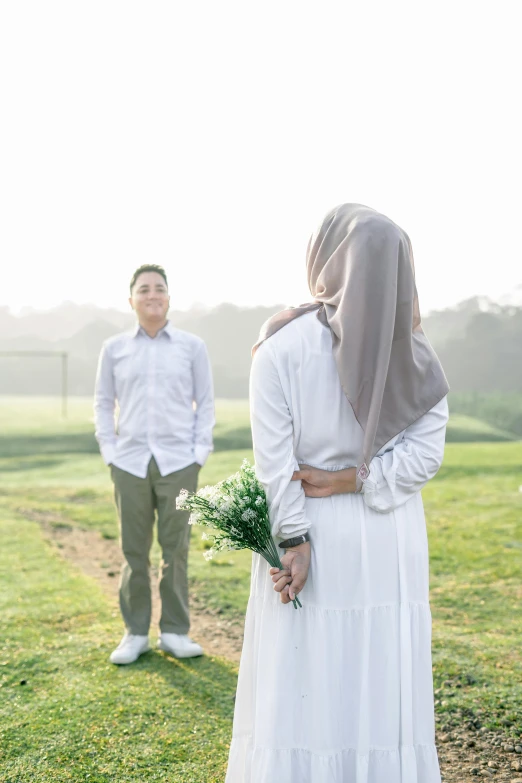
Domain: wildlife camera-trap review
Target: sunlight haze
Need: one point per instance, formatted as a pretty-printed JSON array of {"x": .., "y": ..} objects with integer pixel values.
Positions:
[{"x": 212, "y": 137}]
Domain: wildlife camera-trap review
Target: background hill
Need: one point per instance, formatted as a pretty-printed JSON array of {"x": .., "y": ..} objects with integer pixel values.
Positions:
[
  {"x": 479, "y": 343},
  {"x": 228, "y": 331}
]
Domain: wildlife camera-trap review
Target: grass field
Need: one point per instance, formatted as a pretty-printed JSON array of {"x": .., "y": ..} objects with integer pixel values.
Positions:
[{"x": 77, "y": 718}]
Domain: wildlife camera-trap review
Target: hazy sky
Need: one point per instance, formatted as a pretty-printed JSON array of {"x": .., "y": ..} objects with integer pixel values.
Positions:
[{"x": 211, "y": 137}]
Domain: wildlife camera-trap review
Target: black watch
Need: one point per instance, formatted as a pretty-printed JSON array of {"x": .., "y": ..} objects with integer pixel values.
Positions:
[{"x": 294, "y": 541}]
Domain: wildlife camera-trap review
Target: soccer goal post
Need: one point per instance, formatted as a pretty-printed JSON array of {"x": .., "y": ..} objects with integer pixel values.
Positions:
[{"x": 64, "y": 365}]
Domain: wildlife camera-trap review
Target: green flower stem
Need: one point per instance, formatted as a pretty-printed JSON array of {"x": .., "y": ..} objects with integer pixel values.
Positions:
[{"x": 236, "y": 510}]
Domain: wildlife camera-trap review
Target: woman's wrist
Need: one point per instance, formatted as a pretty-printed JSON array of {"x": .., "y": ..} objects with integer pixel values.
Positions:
[
  {"x": 344, "y": 481},
  {"x": 303, "y": 549}
]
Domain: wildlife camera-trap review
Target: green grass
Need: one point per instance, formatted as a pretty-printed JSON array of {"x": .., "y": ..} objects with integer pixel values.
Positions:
[
  {"x": 79, "y": 718},
  {"x": 33, "y": 425},
  {"x": 474, "y": 512},
  {"x": 500, "y": 409},
  {"x": 67, "y": 713},
  {"x": 466, "y": 429},
  {"x": 74, "y": 488}
]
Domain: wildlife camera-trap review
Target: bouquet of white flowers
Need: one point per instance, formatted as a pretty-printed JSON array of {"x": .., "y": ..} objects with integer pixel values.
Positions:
[{"x": 236, "y": 510}]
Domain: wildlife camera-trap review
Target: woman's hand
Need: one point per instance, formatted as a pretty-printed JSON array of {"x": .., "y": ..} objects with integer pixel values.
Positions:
[
  {"x": 319, "y": 483},
  {"x": 292, "y": 578}
]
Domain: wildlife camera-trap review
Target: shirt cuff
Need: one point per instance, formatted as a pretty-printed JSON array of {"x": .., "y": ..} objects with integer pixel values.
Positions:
[
  {"x": 375, "y": 479},
  {"x": 378, "y": 496},
  {"x": 201, "y": 453},
  {"x": 292, "y": 530},
  {"x": 368, "y": 486},
  {"x": 108, "y": 452},
  {"x": 373, "y": 487}
]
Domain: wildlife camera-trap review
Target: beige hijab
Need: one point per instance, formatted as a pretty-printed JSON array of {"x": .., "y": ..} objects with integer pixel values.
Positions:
[{"x": 362, "y": 277}]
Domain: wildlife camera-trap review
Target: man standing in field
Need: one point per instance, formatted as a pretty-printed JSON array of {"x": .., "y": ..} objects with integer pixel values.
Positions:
[{"x": 162, "y": 380}]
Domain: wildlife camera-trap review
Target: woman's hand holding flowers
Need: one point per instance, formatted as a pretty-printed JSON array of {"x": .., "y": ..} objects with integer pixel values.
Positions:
[{"x": 290, "y": 580}]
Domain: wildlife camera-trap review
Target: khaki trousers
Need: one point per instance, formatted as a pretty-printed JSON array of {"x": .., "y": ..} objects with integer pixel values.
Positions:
[{"x": 137, "y": 500}]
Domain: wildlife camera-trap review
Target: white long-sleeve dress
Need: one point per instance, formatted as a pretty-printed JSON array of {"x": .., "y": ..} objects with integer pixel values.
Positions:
[{"x": 339, "y": 691}]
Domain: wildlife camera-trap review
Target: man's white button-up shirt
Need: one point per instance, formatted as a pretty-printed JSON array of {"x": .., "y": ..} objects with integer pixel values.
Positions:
[{"x": 164, "y": 392}]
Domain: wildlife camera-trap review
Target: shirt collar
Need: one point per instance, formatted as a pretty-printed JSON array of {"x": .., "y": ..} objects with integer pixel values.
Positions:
[{"x": 168, "y": 330}]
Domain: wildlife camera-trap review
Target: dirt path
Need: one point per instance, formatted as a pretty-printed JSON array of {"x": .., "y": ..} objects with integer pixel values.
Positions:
[
  {"x": 100, "y": 559},
  {"x": 467, "y": 752}
]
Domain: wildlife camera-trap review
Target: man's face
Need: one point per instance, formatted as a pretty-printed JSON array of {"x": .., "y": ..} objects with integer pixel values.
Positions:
[{"x": 150, "y": 297}]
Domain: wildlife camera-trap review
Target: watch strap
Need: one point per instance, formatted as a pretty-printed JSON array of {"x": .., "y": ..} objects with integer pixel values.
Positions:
[{"x": 294, "y": 541}]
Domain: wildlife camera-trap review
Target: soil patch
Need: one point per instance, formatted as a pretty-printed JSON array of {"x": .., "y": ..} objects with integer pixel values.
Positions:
[{"x": 100, "y": 558}]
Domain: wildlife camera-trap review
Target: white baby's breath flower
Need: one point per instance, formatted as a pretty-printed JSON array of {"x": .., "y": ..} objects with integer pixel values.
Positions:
[
  {"x": 226, "y": 504},
  {"x": 196, "y": 517},
  {"x": 205, "y": 537},
  {"x": 182, "y": 499},
  {"x": 210, "y": 494},
  {"x": 259, "y": 500},
  {"x": 247, "y": 515},
  {"x": 209, "y": 554}
]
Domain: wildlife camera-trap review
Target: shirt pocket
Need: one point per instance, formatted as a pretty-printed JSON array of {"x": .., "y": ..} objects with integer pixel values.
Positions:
[
  {"x": 175, "y": 374},
  {"x": 127, "y": 368}
]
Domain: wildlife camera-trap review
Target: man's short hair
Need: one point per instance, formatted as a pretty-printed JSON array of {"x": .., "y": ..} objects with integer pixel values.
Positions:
[{"x": 148, "y": 268}]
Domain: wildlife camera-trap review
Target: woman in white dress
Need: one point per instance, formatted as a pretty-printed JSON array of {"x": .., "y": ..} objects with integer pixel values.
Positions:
[{"x": 350, "y": 389}]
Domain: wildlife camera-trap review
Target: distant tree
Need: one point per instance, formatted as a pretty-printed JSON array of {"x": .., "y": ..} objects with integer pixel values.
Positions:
[{"x": 479, "y": 344}]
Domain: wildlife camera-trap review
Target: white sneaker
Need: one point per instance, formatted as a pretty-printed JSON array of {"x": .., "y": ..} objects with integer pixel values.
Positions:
[
  {"x": 179, "y": 645},
  {"x": 130, "y": 648}
]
